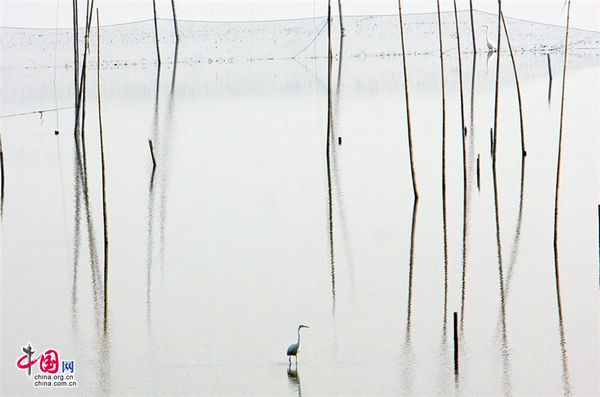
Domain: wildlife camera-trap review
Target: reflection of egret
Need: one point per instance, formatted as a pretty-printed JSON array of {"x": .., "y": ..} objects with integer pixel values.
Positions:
[
  {"x": 295, "y": 347},
  {"x": 294, "y": 379},
  {"x": 491, "y": 47}
]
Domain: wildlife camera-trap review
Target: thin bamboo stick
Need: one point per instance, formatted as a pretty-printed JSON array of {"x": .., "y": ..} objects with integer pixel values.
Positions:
[
  {"x": 455, "y": 317},
  {"x": 152, "y": 154},
  {"x": 410, "y": 146},
  {"x": 512, "y": 57},
  {"x": 76, "y": 58},
  {"x": 156, "y": 32},
  {"x": 341, "y": 18},
  {"x": 495, "y": 130},
  {"x": 478, "y": 173},
  {"x": 175, "y": 21},
  {"x": 549, "y": 67},
  {"x": 84, "y": 83},
  {"x": 462, "y": 98},
  {"x": 464, "y": 157},
  {"x": 472, "y": 26},
  {"x": 83, "y": 71}
]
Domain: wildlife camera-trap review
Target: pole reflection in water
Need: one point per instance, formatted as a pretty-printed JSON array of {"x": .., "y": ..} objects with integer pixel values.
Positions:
[
  {"x": 468, "y": 189},
  {"x": 504, "y": 349},
  {"x": 328, "y": 158},
  {"x": 104, "y": 353},
  {"x": 150, "y": 233},
  {"x": 444, "y": 214},
  {"x": 444, "y": 353},
  {"x": 164, "y": 145},
  {"x": 149, "y": 253},
  {"x": 76, "y": 241},
  {"x": 517, "y": 238},
  {"x": 82, "y": 196},
  {"x": 408, "y": 355},
  {"x": 336, "y": 173}
]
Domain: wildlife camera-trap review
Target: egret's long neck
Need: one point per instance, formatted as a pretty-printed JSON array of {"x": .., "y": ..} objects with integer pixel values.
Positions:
[{"x": 298, "y": 336}]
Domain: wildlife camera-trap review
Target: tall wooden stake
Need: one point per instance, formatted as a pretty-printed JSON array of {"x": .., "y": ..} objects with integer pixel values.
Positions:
[
  {"x": 104, "y": 216},
  {"x": 444, "y": 214},
  {"x": 152, "y": 154},
  {"x": 79, "y": 90},
  {"x": 174, "y": 21},
  {"x": 549, "y": 67},
  {"x": 76, "y": 59},
  {"x": 560, "y": 132},
  {"x": 410, "y": 146},
  {"x": 478, "y": 173},
  {"x": 462, "y": 100},
  {"x": 512, "y": 57},
  {"x": 341, "y": 18},
  {"x": 472, "y": 26},
  {"x": 495, "y": 130},
  {"x": 156, "y": 33},
  {"x": 455, "y": 317},
  {"x": 464, "y": 156}
]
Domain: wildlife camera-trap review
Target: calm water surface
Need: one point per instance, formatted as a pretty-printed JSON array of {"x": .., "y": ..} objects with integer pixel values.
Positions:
[{"x": 217, "y": 256}]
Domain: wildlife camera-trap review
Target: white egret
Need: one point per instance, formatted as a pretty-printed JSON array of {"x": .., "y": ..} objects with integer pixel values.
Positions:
[
  {"x": 295, "y": 347},
  {"x": 491, "y": 47}
]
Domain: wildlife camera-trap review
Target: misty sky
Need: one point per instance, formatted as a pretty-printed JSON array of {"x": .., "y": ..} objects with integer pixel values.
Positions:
[{"x": 585, "y": 14}]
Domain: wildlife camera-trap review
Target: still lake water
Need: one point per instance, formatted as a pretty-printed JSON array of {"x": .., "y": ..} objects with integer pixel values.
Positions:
[{"x": 216, "y": 258}]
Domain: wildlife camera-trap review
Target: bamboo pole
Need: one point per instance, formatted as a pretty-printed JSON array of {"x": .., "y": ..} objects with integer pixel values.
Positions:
[
  {"x": 84, "y": 88},
  {"x": 104, "y": 214},
  {"x": 462, "y": 100},
  {"x": 83, "y": 72},
  {"x": 472, "y": 26},
  {"x": 512, "y": 57},
  {"x": 478, "y": 173},
  {"x": 174, "y": 21},
  {"x": 341, "y": 18},
  {"x": 455, "y": 316},
  {"x": 410, "y": 146},
  {"x": 444, "y": 213},
  {"x": 152, "y": 154},
  {"x": 560, "y": 134},
  {"x": 76, "y": 59},
  {"x": 156, "y": 32},
  {"x": 495, "y": 130},
  {"x": 549, "y": 67}
]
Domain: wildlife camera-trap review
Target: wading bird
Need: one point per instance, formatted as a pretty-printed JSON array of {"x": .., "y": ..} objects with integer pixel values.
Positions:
[
  {"x": 295, "y": 347},
  {"x": 491, "y": 47}
]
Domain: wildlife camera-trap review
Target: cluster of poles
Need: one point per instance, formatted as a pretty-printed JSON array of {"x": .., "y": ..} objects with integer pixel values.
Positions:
[
  {"x": 493, "y": 146},
  {"x": 80, "y": 77}
]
